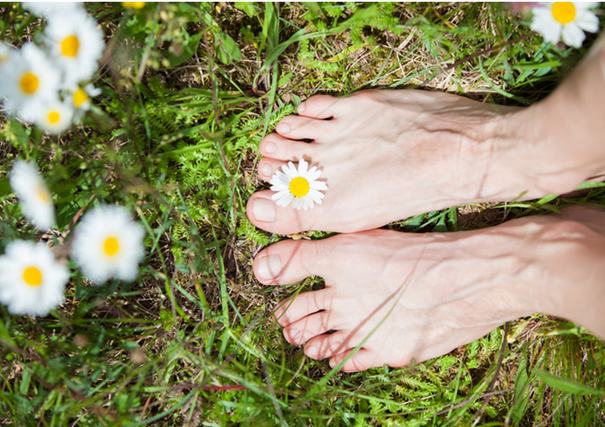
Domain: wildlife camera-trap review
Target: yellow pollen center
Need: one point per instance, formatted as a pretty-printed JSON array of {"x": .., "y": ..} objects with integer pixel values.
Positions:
[
  {"x": 111, "y": 246},
  {"x": 32, "y": 276},
  {"x": 54, "y": 117},
  {"x": 43, "y": 195},
  {"x": 299, "y": 187},
  {"x": 564, "y": 12},
  {"x": 70, "y": 46},
  {"x": 29, "y": 83},
  {"x": 80, "y": 97}
]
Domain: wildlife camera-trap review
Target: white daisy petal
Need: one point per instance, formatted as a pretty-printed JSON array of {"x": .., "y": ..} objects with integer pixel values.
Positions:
[
  {"x": 109, "y": 244},
  {"x": 573, "y": 35},
  {"x": 31, "y": 280},
  {"x": 36, "y": 200},
  {"x": 302, "y": 167},
  {"x": 318, "y": 185},
  {"x": 298, "y": 186},
  {"x": 587, "y": 21}
]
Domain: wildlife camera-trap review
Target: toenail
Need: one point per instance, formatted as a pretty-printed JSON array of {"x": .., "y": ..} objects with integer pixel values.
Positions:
[
  {"x": 270, "y": 147},
  {"x": 294, "y": 335},
  {"x": 266, "y": 170},
  {"x": 312, "y": 352},
  {"x": 283, "y": 127},
  {"x": 301, "y": 108},
  {"x": 263, "y": 210},
  {"x": 269, "y": 267}
]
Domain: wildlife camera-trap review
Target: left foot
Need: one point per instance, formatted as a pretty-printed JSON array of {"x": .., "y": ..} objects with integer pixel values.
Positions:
[{"x": 406, "y": 297}]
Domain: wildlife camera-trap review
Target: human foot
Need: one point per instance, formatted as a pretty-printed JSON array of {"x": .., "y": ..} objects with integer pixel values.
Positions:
[
  {"x": 385, "y": 155},
  {"x": 417, "y": 296}
]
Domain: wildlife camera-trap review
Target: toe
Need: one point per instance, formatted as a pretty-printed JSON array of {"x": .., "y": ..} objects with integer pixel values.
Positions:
[
  {"x": 329, "y": 345},
  {"x": 277, "y": 147},
  {"x": 290, "y": 261},
  {"x": 297, "y": 127},
  {"x": 294, "y": 309},
  {"x": 362, "y": 360},
  {"x": 267, "y": 168},
  {"x": 320, "y": 107},
  {"x": 311, "y": 326},
  {"x": 264, "y": 213}
]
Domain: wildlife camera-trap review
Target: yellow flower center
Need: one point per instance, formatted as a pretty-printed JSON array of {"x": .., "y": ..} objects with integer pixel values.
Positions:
[
  {"x": 564, "y": 12},
  {"x": 80, "y": 97},
  {"x": 70, "y": 46},
  {"x": 29, "y": 83},
  {"x": 43, "y": 195},
  {"x": 299, "y": 186},
  {"x": 54, "y": 117},
  {"x": 133, "y": 4},
  {"x": 32, "y": 276},
  {"x": 111, "y": 246}
]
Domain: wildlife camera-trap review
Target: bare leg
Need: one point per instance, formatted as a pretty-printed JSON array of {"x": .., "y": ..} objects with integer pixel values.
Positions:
[
  {"x": 388, "y": 155},
  {"x": 434, "y": 292}
]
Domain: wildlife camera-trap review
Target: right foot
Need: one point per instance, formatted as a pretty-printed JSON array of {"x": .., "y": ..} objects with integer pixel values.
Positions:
[
  {"x": 403, "y": 296},
  {"x": 388, "y": 155}
]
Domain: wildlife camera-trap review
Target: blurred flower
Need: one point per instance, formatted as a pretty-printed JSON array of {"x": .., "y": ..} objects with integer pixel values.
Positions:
[
  {"x": 27, "y": 80},
  {"x": 75, "y": 44},
  {"x": 31, "y": 281},
  {"x": 46, "y": 9},
  {"x": 5, "y": 53},
  {"x": 137, "y": 5},
  {"x": 55, "y": 117},
  {"x": 108, "y": 243},
  {"x": 80, "y": 99},
  {"x": 36, "y": 203},
  {"x": 298, "y": 186},
  {"x": 566, "y": 19}
]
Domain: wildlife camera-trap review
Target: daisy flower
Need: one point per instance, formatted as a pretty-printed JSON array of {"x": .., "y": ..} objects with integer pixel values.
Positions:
[
  {"x": 36, "y": 203},
  {"x": 28, "y": 80},
  {"x": 566, "y": 19},
  {"x": 108, "y": 243},
  {"x": 80, "y": 96},
  {"x": 31, "y": 280},
  {"x": 298, "y": 186},
  {"x": 75, "y": 43},
  {"x": 54, "y": 117}
]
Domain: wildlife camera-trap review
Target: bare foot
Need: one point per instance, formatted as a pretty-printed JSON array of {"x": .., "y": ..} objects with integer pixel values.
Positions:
[
  {"x": 387, "y": 155},
  {"x": 418, "y": 296}
]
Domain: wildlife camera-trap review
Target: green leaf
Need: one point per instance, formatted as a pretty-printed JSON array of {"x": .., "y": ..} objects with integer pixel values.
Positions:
[
  {"x": 590, "y": 184},
  {"x": 189, "y": 48},
  {"x": 248, "y": 7},
  {"x": 5, "y": 187},
  {"x": 5, "y": 336},
  {"x": 226, "y": 49},
  {"x": 567, "y": 385}
]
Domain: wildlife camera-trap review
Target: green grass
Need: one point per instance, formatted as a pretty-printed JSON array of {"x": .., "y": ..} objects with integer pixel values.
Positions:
[{"x": 189, "y": 90}]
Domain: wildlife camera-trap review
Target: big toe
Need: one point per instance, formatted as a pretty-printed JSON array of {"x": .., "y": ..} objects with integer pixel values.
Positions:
[{"x": 263, "y": 212}]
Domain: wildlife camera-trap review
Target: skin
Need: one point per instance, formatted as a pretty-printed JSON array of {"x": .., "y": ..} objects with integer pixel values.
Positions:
[
  {"x": 387, "y": 155},
  {"x": 426, "y": 294}
]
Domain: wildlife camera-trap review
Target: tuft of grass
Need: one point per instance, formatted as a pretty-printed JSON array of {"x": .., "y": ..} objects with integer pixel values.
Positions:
[{"x": 189, "y": 90}]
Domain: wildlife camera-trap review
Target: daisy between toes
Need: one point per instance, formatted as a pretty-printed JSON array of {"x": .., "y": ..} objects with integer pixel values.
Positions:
[{"x": 298, "y": 186}]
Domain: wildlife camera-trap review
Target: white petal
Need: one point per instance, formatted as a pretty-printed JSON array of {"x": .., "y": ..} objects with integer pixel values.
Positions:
[
  {"x": 318, "y": 185},
  {"x": 587, "y": 21},
  {"x": 316, "y": 174},
  {"x": 573, "y": 35},
  {"x": 302, "y": 167}
]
